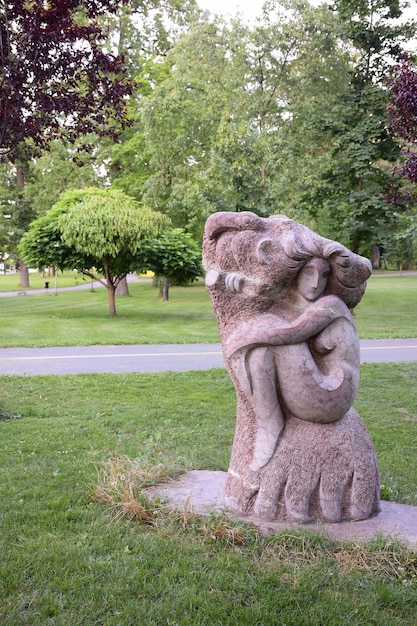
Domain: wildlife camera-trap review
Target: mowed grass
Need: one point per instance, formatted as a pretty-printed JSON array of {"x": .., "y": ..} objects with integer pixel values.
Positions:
[
  {"x": 11, "y": 282},
  {"x": 82, "y": 318},
  {"x": 388, "y": 310},
  {"x": 67, "y": 559}
]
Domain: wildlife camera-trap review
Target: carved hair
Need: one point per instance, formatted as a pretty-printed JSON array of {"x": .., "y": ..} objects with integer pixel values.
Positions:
[{"x": 245, "y": 243}]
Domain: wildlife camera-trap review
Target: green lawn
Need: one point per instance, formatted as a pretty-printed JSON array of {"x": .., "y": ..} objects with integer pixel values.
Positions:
[
  {"x": 10, "y": 282},
  {"x": 82, "y": 318},
  {"x": 66, "y": 559},
  {"x": 76, "y": 451},
  {"x": 388, "y": 309}
]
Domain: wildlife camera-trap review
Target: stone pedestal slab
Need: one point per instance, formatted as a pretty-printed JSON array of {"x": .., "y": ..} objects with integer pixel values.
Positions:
[{"x": 203, "y": 491}]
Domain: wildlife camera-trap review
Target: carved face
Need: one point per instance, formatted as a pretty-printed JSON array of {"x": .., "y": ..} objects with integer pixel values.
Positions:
[{"x": 312, "y": 279}]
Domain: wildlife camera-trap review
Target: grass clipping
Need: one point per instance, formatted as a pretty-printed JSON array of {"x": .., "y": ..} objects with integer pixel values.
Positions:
[{"x": 122, "y": 483}]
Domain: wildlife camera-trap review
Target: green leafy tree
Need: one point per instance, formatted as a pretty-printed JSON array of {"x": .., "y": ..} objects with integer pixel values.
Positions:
[
  {"x": 351, "y": 201},
  {"x": 147, "y": 29},
  {"x": 182, "y": 117},
  {"x": 144, "y": 31},
  {"x": 233, "y": 127},
  {"x": 15, "y": 209},
  {"x": 277, "y": 152},
  {"x": 58, "y": 169},
  {"x": 42, "y": 245},
  {"x": 97, "y": 231},
  {"x": 130, "y": 156},
  {"x": 174, "y": 256}
]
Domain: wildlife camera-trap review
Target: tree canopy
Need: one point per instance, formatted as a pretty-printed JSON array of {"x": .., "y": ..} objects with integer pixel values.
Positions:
[
  {"x": 97, "y": 231},
  {"x": 55, "y": 73},
  {"x": 228, "y": 128},
  {"x": 403, "y": 113},
  {"x": 173, "y": 255},
  {"x": 351, "y": 200},
  {"x": 286, "y": 115}
]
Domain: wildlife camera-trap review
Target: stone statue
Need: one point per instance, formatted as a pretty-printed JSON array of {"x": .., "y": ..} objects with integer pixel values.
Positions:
[{"x": 282, "y": 297}]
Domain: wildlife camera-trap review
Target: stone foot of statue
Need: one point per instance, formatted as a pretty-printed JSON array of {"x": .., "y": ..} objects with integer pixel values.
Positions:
[{"x": 323, "y": 472}]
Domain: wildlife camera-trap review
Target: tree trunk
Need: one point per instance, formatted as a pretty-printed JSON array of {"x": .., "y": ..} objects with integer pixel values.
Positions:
[
  {"x": 24, "y": 271},
  {"x": 165, "y": 291},
  {"x": 20, "y": 177},
  {"x": 122, "y": 288},
  {"x": 111, "y": 291},
  {"x": 376, "y": 257},
  {"x": 24, "y": 274}
]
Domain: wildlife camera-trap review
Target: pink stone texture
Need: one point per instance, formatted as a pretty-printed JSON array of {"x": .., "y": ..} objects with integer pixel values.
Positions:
[{"x": 283, "y": 296}]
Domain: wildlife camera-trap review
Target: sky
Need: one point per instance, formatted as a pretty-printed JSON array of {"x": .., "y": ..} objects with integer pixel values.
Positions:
[{"x": 250, "y": 9}]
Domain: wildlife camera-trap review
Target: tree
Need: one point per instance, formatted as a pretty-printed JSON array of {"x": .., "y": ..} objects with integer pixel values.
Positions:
[
  {"x": 402, "y": 109},
  {"x": 97, "y": 231},
  {"x": 236, "y": 125},
  {"x": 295, "y": 71},
  {"x": 56, "y": 80},
  {"x": 57, "y": 169},
  {"x": 351, "y": 203},
  {"x": 15, "y": 210},
  {"x": 55, "y": 75},
  {"x": 146, "y": 29},
  {"x": 174, "y": 255},
  {"x": 143, "y": 31},
  {"x": 42, "y": 245}
]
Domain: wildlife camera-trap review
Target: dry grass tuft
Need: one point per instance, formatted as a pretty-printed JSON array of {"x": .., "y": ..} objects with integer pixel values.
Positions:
[
  {"x": 120, "y": 484},
  {"x": 220, "y": 528},
  {"x": 387, "y": 558},
  {"x": 221, "y": 531}
]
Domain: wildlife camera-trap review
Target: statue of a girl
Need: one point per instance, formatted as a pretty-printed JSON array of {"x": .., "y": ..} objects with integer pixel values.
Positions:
[{"x": 282, "y": 296}]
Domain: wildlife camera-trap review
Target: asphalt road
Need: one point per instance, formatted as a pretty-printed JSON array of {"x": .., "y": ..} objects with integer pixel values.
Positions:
[
  {"x": 156, "y": 358},
  {"x": 132, "y": 278},
  {"x": 159, "y": 358}
]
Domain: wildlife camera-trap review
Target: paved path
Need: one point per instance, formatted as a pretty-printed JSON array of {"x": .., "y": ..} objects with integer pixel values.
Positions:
[
  {"x": 132, "y": 278},
  {"x": 159, "y": 358}
]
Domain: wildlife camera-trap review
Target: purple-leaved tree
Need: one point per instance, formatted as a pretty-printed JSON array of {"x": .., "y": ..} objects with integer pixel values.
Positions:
[
  {"x": 55, "y": 76},
  {"x": 57, "y": 79},
  {"x": 403, "y": 113}
]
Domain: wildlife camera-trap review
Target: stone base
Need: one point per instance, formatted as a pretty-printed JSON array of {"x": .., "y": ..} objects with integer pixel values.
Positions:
[
  {"x": 318, "y": 471},
  {"x": 202, "y": 491}
]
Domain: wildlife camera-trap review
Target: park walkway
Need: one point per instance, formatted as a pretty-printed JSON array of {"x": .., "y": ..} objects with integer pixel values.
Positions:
[{"x": 159, "y": 358}]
